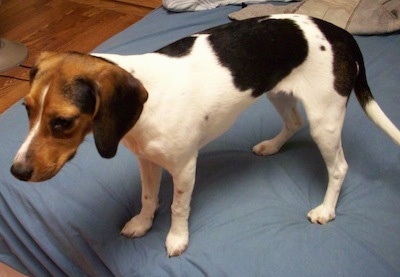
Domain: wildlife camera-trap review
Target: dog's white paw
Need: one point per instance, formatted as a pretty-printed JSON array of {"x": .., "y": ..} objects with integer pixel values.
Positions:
[
  {"x": 266, "y": 147},
  {"x": 176, "y": 243},
  {"x": 321, "y": 214},
  {"x": 137, "y": 226}
]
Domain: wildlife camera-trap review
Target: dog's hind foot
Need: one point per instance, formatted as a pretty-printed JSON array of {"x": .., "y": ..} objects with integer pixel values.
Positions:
[
  {"x": 321, "y": 215},
  {"x": 137, "y": 226},
  {"x": 267, "y": 147},
  {"x": 272, "y": 146}
]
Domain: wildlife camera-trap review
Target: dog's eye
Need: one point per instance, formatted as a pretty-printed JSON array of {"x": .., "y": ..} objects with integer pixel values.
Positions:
[{"x": 60, "y": 124}]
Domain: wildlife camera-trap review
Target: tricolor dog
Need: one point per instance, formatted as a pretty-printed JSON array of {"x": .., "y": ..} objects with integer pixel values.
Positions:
[{"x": 164, "y": 106}]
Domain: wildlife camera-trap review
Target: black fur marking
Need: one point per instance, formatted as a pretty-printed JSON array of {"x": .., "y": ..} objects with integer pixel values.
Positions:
[
  {"x": 32, "y": 73},
  {"x": 322, "y": 48},
  {"x": 118, "y": 112},
  {"x": 179, "y": 48},
  {"x": 124, "y": 102},
  {"x": 259, "y": 52},
  {"x": 81, "y": 93},
  {"x": 344, "y": 61}
]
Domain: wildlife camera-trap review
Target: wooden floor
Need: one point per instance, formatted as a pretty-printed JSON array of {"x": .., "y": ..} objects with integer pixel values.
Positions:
[{"x": 60, "y": 25}]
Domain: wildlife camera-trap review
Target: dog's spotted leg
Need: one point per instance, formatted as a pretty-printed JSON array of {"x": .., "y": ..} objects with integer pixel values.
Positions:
[
  {"x": 286, "y": 106},
  {"x": 178, "y": 235},
  {"x": 326, "y": 126},
  {"x": 141, "y": 223}
]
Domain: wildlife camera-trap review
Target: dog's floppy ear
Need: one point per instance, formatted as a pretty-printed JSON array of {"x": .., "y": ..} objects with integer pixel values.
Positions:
[{"x": 120, "y": 100}]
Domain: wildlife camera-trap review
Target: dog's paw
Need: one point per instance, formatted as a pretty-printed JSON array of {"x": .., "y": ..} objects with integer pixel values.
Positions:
[
  {"x": 266, "y": 148},
  {"x": 137, "y": 226},
  {"x": 321, "y": 215},
  {"x": 176, "y": 243}
]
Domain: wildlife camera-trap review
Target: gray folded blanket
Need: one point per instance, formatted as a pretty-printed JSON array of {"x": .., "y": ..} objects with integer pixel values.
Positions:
[
  {"x": 199, "y": 5},
  {"x": 360, "y": 17}
]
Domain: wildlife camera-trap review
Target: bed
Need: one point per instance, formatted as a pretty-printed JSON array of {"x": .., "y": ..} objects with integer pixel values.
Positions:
[{"x": 248, "y": 213}]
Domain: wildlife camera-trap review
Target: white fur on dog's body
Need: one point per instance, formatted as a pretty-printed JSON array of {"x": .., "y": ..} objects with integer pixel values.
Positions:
[
  {"x": 193, "y": 98},
  {"x": 170, "y": 99}
]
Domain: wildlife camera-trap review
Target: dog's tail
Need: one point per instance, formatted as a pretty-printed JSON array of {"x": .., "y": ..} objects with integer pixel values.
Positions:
[{"x": 371, "y": 107}]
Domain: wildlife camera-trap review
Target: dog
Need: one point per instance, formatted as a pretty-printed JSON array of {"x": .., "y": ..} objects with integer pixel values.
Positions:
[{"x": 164, "y": 106}]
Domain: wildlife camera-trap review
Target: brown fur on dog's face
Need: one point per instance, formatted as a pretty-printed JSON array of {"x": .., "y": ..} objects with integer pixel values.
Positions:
[{"x": 72, "y": 94}]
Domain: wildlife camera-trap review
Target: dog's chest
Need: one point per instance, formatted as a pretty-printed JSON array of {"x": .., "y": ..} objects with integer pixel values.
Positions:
[
  {"x": 191, "y": 101},
  {"x": 195, "y": 88}
]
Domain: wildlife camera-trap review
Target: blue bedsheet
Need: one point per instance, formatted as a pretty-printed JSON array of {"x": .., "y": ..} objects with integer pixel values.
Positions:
[{"x": 248, "y": 213}]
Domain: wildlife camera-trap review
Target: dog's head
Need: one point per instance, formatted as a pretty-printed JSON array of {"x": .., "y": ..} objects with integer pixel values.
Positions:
[{"x": 71, "y": 95}]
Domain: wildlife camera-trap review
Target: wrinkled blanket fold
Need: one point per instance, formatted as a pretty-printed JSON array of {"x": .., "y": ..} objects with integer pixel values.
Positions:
[
  {"x": 362, "y": 17},
  {"x": 199, "y": 5}
]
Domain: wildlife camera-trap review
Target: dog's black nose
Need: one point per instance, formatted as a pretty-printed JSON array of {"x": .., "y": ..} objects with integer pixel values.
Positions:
[{"x": 21, "y": 171}]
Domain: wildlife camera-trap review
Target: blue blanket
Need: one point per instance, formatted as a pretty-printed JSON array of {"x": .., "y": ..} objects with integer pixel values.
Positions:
[{"x": 248, "y": 213}]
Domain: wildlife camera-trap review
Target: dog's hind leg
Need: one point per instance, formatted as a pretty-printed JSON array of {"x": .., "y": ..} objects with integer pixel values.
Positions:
[
  {"x": 286, "y": 106},
  {"x": 326, "y": 122}
]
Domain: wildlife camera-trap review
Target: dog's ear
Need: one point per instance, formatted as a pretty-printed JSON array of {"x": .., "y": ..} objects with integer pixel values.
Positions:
[{"x": 120, "y": 100}]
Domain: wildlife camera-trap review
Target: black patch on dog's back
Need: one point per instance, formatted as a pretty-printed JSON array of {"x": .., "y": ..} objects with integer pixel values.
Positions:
[
  {"x": 179, "y": 48},
  {"x": 259, "y": 52},
  {"x": 345, "y": 53}
]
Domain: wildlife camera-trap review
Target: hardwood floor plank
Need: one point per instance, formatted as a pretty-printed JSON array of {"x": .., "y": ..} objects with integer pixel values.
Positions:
[
  {"x": 61, "y": 25},
  {"x": 137, "y": 7},
  {"x": 147, "y": 3}
]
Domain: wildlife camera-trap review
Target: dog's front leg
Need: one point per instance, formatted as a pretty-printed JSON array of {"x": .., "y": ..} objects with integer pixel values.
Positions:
[
  {"x": 178, "y": 236},
  {"x": 151, "y": 177}
]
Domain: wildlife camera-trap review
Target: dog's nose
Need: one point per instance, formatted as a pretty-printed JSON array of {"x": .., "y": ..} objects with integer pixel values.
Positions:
[{"x": 22, "y": 171}]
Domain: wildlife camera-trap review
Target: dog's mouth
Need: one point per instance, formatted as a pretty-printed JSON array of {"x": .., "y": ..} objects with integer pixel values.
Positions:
[{"x": 71, "y": 156}]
